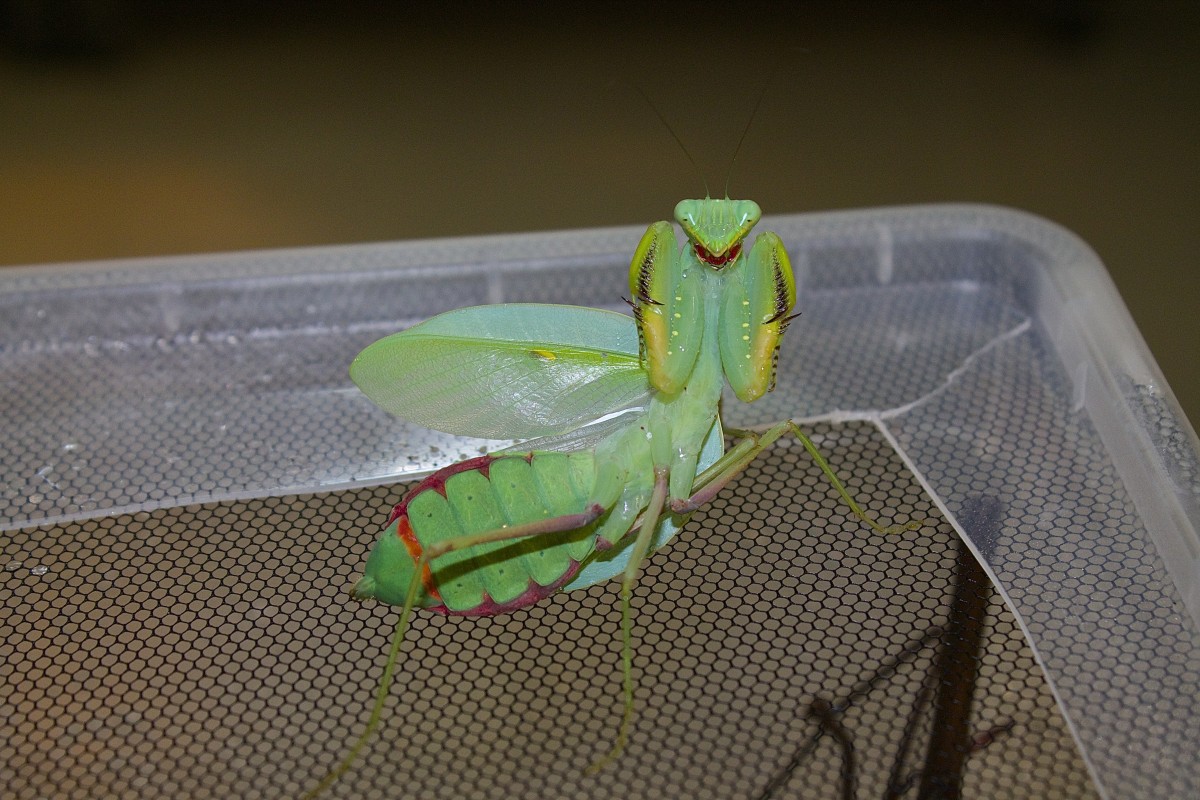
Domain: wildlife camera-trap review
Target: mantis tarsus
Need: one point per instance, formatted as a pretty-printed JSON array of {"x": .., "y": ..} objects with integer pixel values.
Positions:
[{"x": 628, "y": 412}]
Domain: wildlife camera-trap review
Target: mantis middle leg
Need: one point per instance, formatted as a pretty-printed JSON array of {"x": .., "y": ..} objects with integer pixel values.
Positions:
[{"x": 750, "y": 445}]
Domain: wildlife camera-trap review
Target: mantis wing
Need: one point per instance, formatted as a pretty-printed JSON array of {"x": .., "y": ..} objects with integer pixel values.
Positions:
[
  {"x": 585, "y": 437},
  {"x": 509, "y": 371}
]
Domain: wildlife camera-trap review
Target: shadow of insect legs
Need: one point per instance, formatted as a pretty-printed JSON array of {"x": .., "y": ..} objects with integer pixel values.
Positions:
[{"x": 948, "y": 688}]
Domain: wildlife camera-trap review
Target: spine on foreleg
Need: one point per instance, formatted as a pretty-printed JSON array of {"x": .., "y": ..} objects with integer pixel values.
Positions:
[{"x": 475, "y": 496}]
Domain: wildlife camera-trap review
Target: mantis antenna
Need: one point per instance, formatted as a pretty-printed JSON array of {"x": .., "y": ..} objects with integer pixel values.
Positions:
[
  {"x": 674, "y": 136},
  {"x": 754, "y": 113},
  {"x": 757, "y": 104}
]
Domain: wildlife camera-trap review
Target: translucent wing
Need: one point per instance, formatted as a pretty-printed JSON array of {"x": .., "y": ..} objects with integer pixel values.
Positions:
[
  {"x": 506, "y": 371},
  {"x": 582, "y": 438}
]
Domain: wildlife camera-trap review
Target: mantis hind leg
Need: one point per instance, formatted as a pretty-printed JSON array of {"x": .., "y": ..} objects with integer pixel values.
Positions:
[
  {"x": 567, "y": 522},
  {"x": 641, "y": 548},
  {"x": 750, "y": 445}
]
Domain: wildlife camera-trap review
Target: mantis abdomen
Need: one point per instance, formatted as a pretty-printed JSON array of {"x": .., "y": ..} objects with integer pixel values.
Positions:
[{"x": 490, "y": 493}]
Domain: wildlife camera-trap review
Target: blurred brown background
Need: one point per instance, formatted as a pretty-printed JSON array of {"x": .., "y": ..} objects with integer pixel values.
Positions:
[{"x": 148, "y": 128}]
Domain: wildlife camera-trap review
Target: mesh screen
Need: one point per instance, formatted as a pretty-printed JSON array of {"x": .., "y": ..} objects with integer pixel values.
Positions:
[{"x": 782, "y": 650}]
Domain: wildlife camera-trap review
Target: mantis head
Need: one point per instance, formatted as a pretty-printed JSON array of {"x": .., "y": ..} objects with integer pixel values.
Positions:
[{"x": 717, "y": 228}]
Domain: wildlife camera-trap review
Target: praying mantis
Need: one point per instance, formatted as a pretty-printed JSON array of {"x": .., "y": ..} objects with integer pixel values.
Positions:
[{"x": 626, "y": 414}]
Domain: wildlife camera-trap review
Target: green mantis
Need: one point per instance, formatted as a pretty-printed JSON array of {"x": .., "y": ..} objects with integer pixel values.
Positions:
[{"x": 626, "y": 412}]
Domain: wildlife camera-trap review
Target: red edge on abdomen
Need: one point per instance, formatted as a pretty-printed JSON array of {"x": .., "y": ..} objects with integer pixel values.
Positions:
[
  {"x": 413, "y": 545},
  {"x": 436, "y": 482},
  {"x": 534, "y": 594}
]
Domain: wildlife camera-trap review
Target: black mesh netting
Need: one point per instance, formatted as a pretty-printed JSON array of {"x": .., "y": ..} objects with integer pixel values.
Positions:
[{"x": 782, "y": 650}]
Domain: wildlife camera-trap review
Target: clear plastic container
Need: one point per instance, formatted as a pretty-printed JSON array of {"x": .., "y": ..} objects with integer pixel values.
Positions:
[{"x": 987, "y": 346}]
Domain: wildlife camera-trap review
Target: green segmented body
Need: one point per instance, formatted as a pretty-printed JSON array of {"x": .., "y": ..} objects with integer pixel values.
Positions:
[
  {"x": 617, "y": 476},
  {"x": 474, "y": 496},
  {"x": 705, "y": 314}
]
